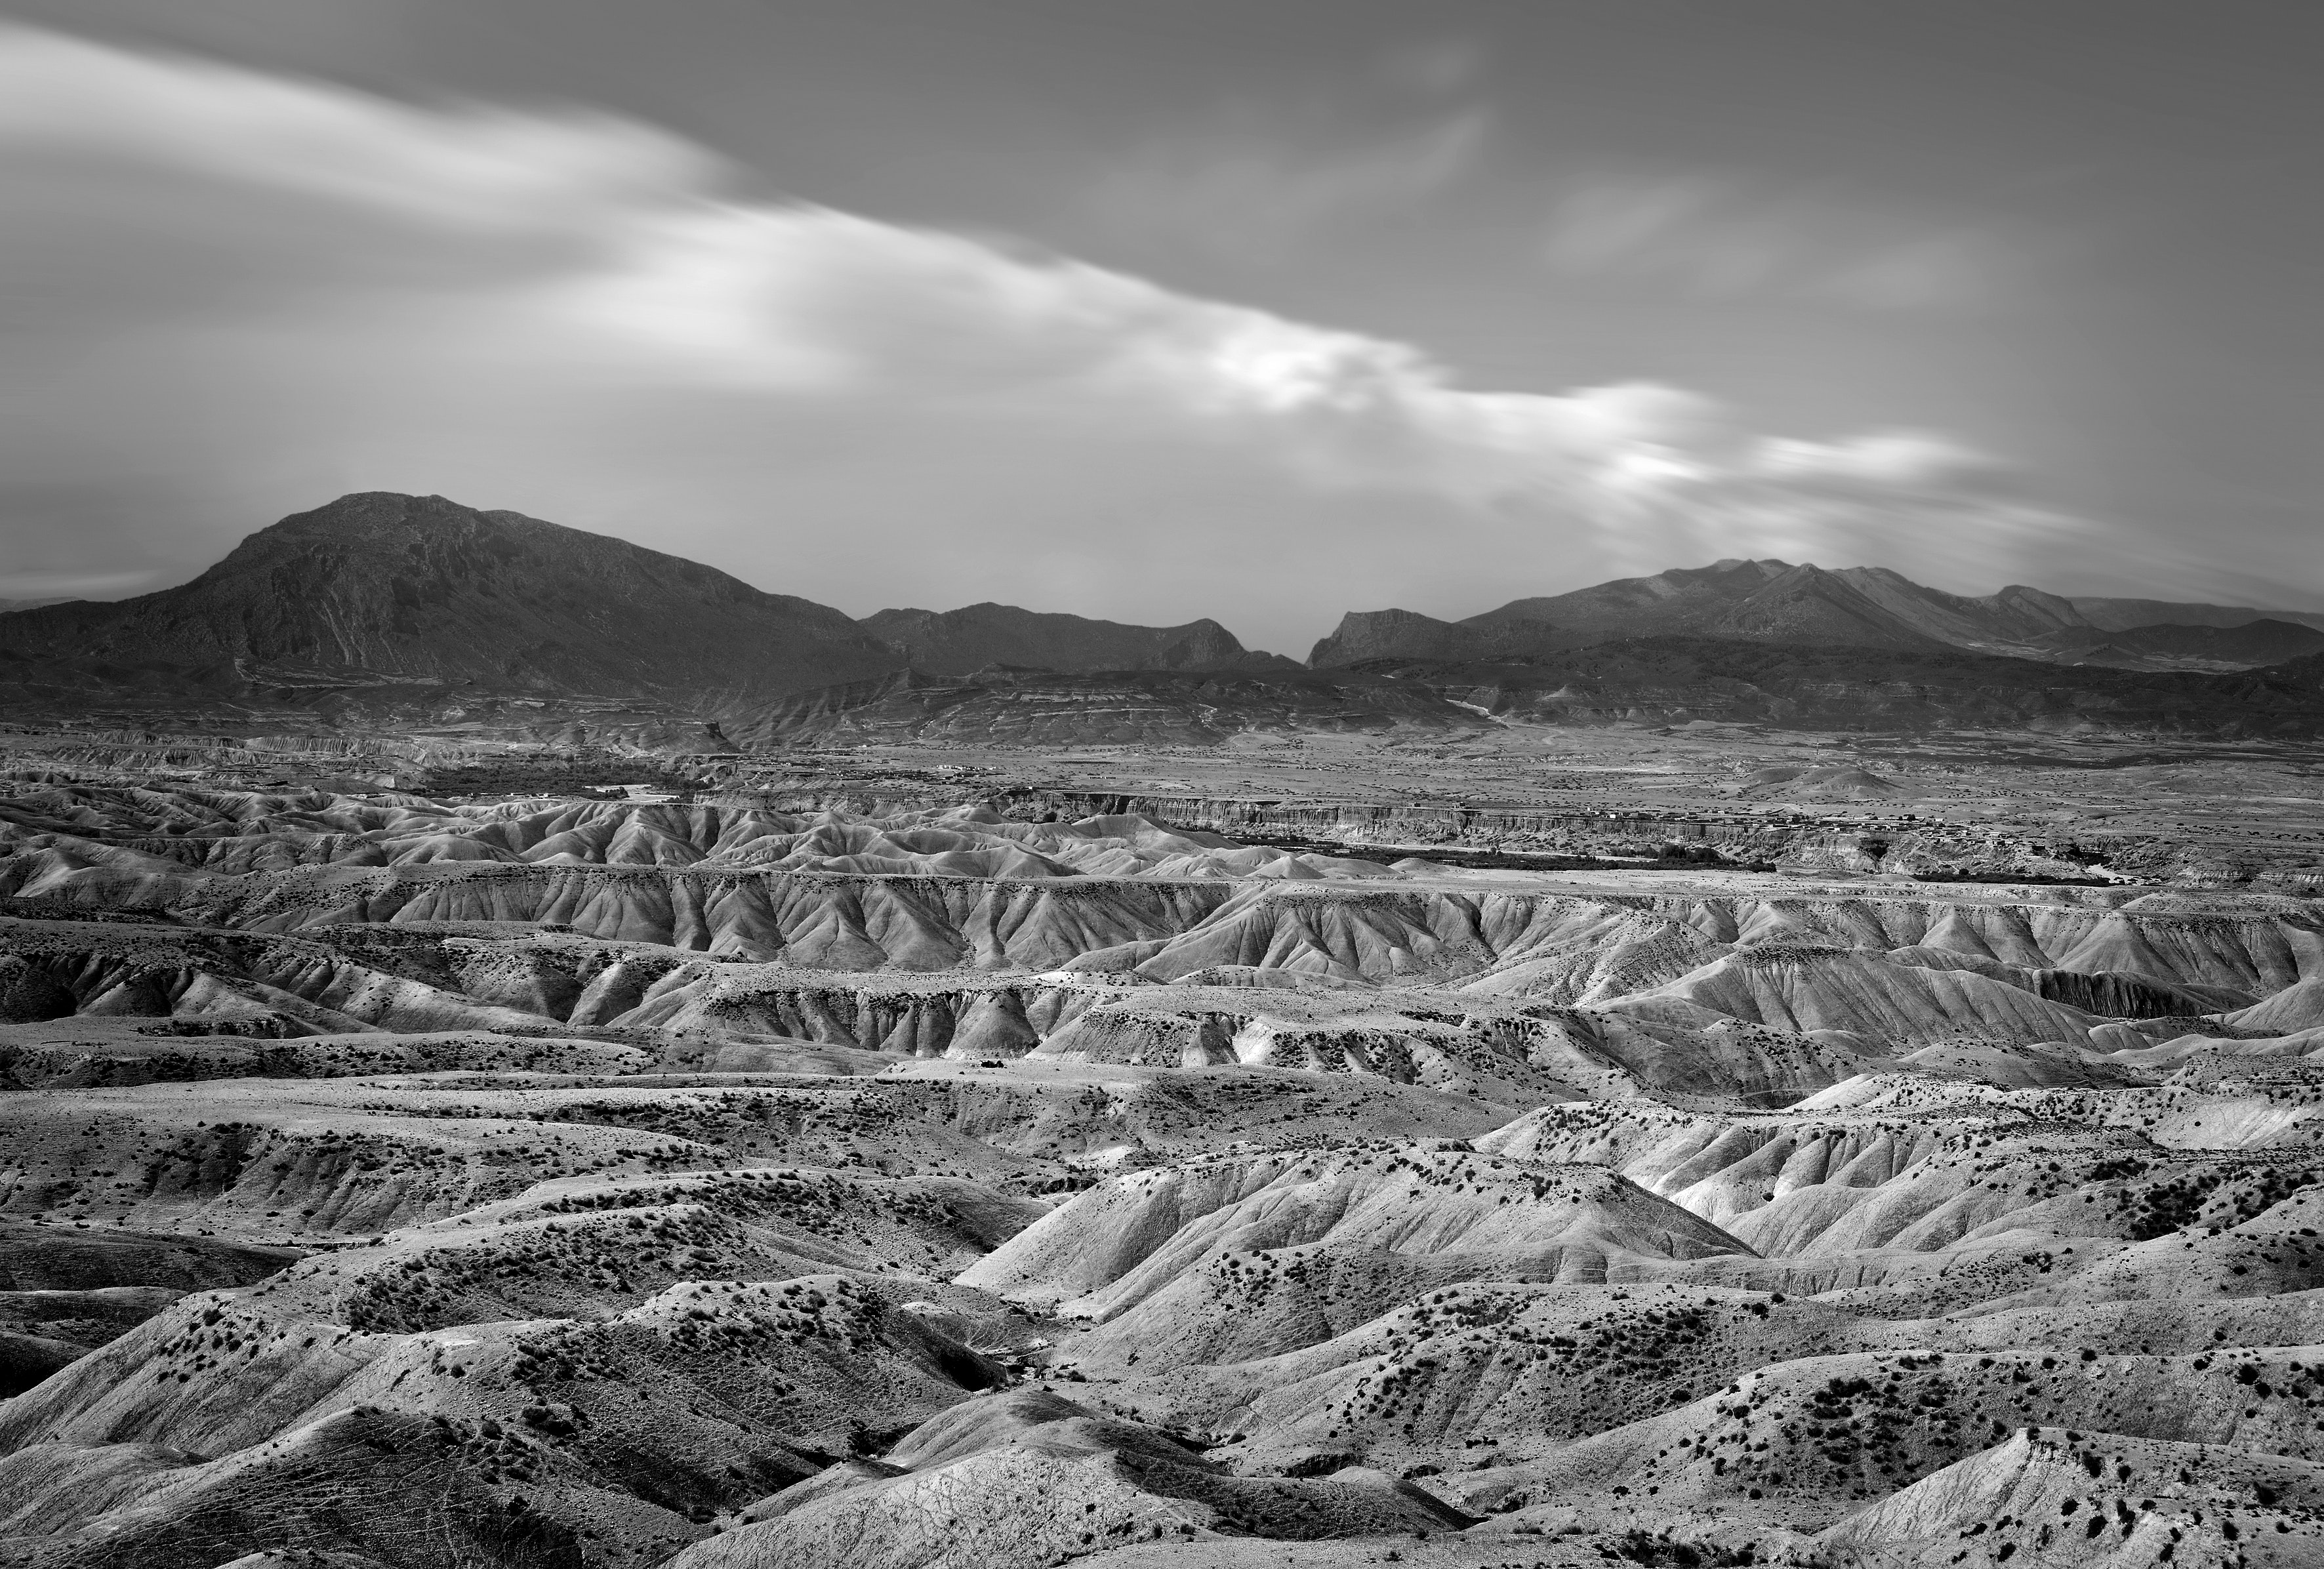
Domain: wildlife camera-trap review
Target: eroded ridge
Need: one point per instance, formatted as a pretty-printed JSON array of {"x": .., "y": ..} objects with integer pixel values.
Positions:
[{"x": 552, "y": 1180}]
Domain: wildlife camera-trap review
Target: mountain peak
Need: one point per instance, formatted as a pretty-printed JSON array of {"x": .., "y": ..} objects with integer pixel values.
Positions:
[{"x": 378, "y": 585}]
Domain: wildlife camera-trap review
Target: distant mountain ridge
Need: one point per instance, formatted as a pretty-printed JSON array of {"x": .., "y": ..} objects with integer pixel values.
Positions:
[
  {"x": 1770, "y": 601},
  {"x": 382, "y": 607},
  {"x": 955, "y": 642},
  {"x": 2267, "y": 641},
  {"x": 2122, "y": 615}
]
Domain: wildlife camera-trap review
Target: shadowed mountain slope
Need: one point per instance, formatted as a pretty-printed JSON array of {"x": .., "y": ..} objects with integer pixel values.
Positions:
[{"x": 379, "y": 588}]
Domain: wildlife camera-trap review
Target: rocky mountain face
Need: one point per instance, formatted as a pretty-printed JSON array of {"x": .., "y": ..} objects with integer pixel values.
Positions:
[
  {"x": 954, "y": 642},
  {"x": 2014, "y": 615},
  {"x": 386, "y": 589},
  {"x": 1383, "y": 634}
]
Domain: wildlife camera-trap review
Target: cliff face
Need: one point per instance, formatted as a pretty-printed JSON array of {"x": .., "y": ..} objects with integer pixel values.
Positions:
[
  {"x": 1374, "y": 634},
  {"x": 381, "y": 589}
]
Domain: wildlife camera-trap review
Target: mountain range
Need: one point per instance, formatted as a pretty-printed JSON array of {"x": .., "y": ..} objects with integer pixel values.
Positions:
[
  {"x": 1855, "y": 606},
  {"x": 384, "y": 603}
]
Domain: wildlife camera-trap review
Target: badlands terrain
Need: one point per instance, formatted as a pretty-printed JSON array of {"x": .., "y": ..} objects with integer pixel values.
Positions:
[{"x": 987, "y": 1089}]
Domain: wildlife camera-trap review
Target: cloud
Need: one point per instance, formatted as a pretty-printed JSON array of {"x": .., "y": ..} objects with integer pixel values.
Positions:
[
  {"x": 482, "y": 170},
  {"x": 1255, "y": 193},
  {"x": 1261, "y": 183},
  {"x": 1721, "y": 236},
  {"x": 1434, "y": 68},
  {"x": 1912, "y": 500},
  {"x": 1905, "y": 462},
  {"x": 228, "y": 287}
]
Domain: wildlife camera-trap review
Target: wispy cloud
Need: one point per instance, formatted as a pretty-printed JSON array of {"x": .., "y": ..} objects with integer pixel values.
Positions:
[
  {"x": 1256, "y": 192},
  {"x": 218, "y": 272},
  {"x": 1435, "y": 67},
  {"x": 1723, "y": 235}
]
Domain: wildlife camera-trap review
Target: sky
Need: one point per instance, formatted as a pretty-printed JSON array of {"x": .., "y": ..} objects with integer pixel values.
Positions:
[{"x": 1262, "y": 310}]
